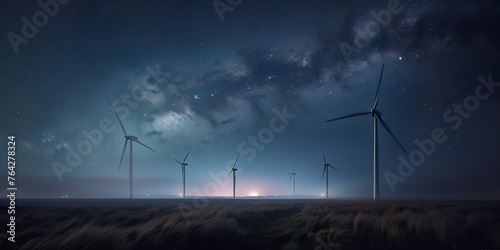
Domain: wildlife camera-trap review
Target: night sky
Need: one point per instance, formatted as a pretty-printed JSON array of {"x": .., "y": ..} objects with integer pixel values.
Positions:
[{"x": 259, "y": 78}]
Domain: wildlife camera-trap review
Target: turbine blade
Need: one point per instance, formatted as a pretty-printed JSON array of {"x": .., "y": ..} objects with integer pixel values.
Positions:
[
  {"x": 230, "y": 173},
  {"x": 294, "y": 168},
  {"x": 351, "y": 115},
  {"x": 324, "y": 159},
  {"x": 144, "y": 145},
  {"x": 290, "y": 177},
  {"x": 236, "y": 160},
  {"x": 390, "y": 132},
  {"x": 333, "y": 168},
  {"x": 176, "y": 160},
  {"x": 378, "y": 88},
  {"x": 324, "y": 169},
  {"x": 121, "y": 125},
  {"x": 123, "y": 152},
  {"x": 187, "y": 154}
]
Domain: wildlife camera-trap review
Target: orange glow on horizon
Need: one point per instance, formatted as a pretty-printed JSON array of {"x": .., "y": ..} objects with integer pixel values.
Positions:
[{"x": 253, "y": 194}]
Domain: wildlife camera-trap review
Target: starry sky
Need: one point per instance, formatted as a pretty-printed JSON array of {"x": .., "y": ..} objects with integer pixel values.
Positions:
[{"x": 255, "y": 78}]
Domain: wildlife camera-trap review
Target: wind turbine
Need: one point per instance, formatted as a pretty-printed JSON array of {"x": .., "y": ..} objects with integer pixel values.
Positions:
[
  {"x": 377, "y": 116},
  {"x": 233, "y": 171},
  {"x": 183, "y": 165},
  {"x": 325, "y": 169},
  {"x": 132, "y": 139},
  {"x": 292, "y": 174}
]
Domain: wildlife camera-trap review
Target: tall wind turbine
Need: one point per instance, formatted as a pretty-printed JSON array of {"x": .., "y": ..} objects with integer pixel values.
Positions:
[
  {"x": 377, "y": 116},
  {"x": 292, "y": 174},
  {"x": 183, "y": 165},
  {"x": 233, "y": 171},
  {"x": 132, "y": 139},
  {"x": 326, "y": 166}
]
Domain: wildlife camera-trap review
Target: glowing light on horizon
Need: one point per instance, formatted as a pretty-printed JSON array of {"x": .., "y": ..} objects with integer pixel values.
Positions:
[{"x": 253, "y": 194}]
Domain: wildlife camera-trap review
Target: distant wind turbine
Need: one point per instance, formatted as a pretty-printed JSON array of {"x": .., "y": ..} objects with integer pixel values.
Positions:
[
  {"x": 326, "y": 166},
  {"x": 233, "y": 171},
  {"x": 132, "y": 139},
  {"x": 292, "y": 174},
  {"x": 377, "y": 116},
  {"x": 183, "y": 165}
]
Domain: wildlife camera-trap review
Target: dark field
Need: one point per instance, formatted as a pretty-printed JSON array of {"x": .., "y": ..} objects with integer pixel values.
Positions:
[{"x": 252, "y": 224}]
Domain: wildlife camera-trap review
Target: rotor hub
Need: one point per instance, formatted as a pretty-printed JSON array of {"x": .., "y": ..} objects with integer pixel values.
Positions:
[
  {"x": 376, "y": 113},
  {"x": 131, "y": 137}
]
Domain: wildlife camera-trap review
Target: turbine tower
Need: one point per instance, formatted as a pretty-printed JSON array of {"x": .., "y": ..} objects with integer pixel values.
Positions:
[
  {"x": 325, "y": 169},
  {"x": 183, "y": 165},
  {"x": 292, "y": 174},
  {"x": 377, "y": 116},
  {"x": 233, "y": 171},
  {"x": 132, "y": 139}
]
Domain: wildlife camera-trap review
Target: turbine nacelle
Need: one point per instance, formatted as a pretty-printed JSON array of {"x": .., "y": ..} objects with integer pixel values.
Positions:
[
  {"x": 183, "y": 163},
  {"x": 131, "y": 137},
  {"x": 232, "y": 172},
  {"x": 328, "y": 165},
  {"x": 375, "y": 113}
]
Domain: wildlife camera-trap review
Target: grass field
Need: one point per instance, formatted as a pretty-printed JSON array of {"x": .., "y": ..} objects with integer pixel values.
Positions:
[{"x": 253, "y": 224}]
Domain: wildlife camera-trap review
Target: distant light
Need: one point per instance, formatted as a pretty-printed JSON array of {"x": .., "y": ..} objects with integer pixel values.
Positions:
[
  {"x": 253, "y": 194},
  {"x": 400, "y": 58},
  {"x": 322, "y": 195}
]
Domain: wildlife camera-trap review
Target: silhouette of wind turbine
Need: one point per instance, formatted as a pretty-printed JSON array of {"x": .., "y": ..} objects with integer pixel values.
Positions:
[
  {"x": 183, "y": 165},
  {"x": 132, "y": 139},
  {"x": 292, "y": 174},
  {"x": 233, "y": 171},
  {"x": 377, "y": 116},
  {"x": 325, "y": 169}
]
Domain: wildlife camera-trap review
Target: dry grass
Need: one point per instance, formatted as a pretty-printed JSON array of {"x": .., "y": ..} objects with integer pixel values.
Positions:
[{"x": 256, "y": 224}]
